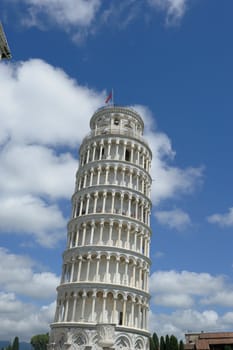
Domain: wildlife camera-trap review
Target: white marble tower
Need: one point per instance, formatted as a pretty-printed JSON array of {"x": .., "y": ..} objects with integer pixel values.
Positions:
[{"x": 103, "y": 298}]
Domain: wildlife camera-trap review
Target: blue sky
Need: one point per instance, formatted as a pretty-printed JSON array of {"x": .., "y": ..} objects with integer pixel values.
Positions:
[{"x": 172, "y": 61}]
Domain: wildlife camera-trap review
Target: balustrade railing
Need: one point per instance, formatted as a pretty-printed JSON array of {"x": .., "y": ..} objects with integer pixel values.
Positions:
[{"x": 115, "y": 131}]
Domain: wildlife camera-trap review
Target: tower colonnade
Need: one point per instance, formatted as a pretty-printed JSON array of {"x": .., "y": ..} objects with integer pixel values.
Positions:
[
  {"x": 114, "y": 174},
  {"x": 110, "y": 231},
  {"x": 95, "y": 304},
  {"x": 103, "y": 296},
  {"x": 118, "y": 269},
  {"x": 112, "y": 202},
  {"x": 115, "y": 149}
]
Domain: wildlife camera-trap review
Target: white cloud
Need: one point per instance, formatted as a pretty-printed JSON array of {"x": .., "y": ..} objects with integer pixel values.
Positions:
[
  {"x": 30, "y": 215},
  {"x": 223, "y": 220},
  {"x": 174, "y": 219},
  {"x": 9, "y": 304},
  {"x": 158, "y": 255},
  {"x": 122, "y": 13},
  {"x": 20, "y": 279},
  {"x": 37, "y": 116},
  {"x": 80, "y": 18},
  {"x": 184, "y": 289},
  {"x": 50, "y": 109},
  {"x": 169, "y": 181},
  {"x": 228, "y": 318},
  {"x": 190, "y": 282},
  {"x": 175, "y": 9},
  {"x": 37, "y": 170},
  {"x": 189, "y": 293},
  {"x": 17, "y": 275},
  {"x": 63, "y": 13},
  {"x": 23, "y": 319},
  {"x": 189, "y": 320},
  {"x": 174, "y": 300},
  {"x": 223, "y": 297}
]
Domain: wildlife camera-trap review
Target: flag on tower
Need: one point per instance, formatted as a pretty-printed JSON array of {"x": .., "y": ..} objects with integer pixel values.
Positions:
[{"x": 109, "y": 97}]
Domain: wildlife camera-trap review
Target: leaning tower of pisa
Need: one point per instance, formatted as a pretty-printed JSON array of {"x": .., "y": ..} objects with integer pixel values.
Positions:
[{"x": 103, "y": 298}]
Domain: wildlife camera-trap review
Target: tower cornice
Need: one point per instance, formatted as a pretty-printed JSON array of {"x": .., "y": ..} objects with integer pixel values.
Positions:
[
  {"x": 118, "y": 251},
  {"x": 107, "y": 110}
]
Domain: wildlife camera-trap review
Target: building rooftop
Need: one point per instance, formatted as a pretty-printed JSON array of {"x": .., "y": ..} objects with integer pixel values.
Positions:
[{"x": 209, "y": 341}]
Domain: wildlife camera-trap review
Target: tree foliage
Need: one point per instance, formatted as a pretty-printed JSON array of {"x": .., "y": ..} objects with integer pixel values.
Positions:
[
  {"x": 162, "y": 343},
  {"x": 173, "y": 343},
  {"x": 154, "y": 342},
  {"x": 40, "y": 341},
  {"x": 15, "y": 345},
  {"x": 181, "y": 345},
  {"x": 167, "y": 343}
]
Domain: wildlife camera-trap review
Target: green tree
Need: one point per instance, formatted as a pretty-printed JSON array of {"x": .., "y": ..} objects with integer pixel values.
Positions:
[
  {"x": 162, "y": 343},
  {"x": 173, "y": 343},
  {"x": 181, "y": 345},
  {"x": 15, "y": 345},
  {"x": 152, "y": 344},
  {"x": 156, "y": 341},
  {"x": 167, "y": 342},
  {"x": 40, "y": 341}
]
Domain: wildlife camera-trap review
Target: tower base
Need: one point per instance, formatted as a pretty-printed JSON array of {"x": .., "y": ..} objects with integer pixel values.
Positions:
[{"x": 96, "y": 337}]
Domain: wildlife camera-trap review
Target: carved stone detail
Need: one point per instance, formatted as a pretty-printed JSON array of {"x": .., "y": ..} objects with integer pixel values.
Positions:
[{"x": 106, "y": 335}]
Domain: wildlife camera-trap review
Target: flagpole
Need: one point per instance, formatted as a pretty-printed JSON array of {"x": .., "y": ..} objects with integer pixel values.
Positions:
[{"x": 112, "y": 98}]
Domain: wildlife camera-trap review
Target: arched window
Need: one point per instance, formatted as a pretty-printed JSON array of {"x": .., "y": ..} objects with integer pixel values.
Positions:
[
  {"x": 127, "y": 155},
  {"x": 116, "y": 121}
]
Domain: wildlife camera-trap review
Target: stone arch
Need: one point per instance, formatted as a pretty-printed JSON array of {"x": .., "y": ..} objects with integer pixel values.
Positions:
[
  {"x": 128, "y": 309},
  {"x": 112, "y": 266},
  {"x": 99, "y": 305},
  {"x": 104, "y": 255},
  {"x": 60, "y": 341},
  {"x": 123, "y": 342},
  {"x": 94, "y": 339},
  {"x": 123, "y": 257},
  {"x": 99, "y": 293},
  {"x": 79, "y": 340},
  {"x": 132, "y": 260},
  {"x": 119, "y": 307},
  {"x": 139, "y": 344},
  {"x": 144, "y": 265},
  {"x": 109, "y": 305},
  {"x": 122, "y": 262}
]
